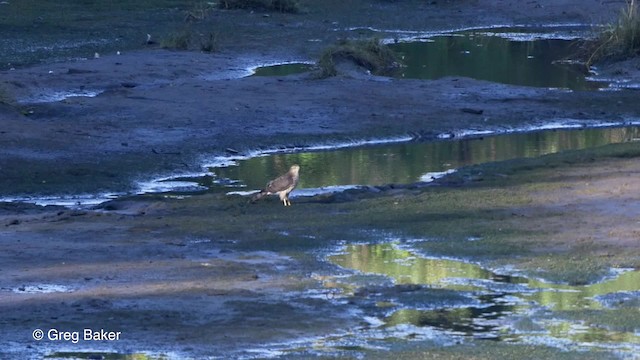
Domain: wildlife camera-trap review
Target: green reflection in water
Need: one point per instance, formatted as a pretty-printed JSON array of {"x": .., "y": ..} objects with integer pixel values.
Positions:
[
  {"x": 482, "y": 55},
  {"x": 407, "y": 162},
  {"x": 405, "y": 267},
  {"x": 477, "y": 55},
  {"x": 282, "y": 69},
  {"x": 499, "y": 297},
  {"x": 584, "y": 334},
  {"x": 568, "y": 297}
]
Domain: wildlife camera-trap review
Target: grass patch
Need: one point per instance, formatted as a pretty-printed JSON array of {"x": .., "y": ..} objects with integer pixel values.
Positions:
[
  {"x": 179, "y": 40},
  {"x": 283, "y": 6},
  {"x": 5, "y": 96},
  {"x": 619, "y": 40},
  {"x": 187, "y": 39},
  {"x": 198, "y": 12},
  {"x": 370, "y": 54},
  {"x": 192, "y": 34},
  {"x": 209, "y": 42}
]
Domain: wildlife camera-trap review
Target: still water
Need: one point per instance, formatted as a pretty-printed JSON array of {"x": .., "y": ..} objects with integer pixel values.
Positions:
[
  {"x": 404, "y": 163},
  {"x": 282, "y": 69},
  {"x": 509, "y": 56},
  {"x": 461, "y": 299},
  {"x": 496, "y": 56}
]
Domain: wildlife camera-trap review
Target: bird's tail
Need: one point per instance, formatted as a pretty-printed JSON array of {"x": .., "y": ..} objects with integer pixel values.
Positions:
[{"x": 258, "y": 196}]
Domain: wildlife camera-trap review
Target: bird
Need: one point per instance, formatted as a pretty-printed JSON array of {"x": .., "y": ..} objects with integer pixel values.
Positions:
[
  {"x": 282, "y": 186},
  {"x": 149, "y": 41}
]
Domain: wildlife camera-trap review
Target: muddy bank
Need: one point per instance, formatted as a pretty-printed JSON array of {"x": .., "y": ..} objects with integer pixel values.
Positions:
[
  {"x": 41, "y": 33},
  {"x": 157, "y": 112},
  {"x": 189, "y": 277},
  {"x": 235, "y": 300},
  {"x": 139, "y": 128}
]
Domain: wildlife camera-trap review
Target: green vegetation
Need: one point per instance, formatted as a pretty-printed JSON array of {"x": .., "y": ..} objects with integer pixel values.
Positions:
[
  {"x": 209, "y": 42},
  {"x": 5, "y": 96},
  {"x": 199, "y": 12},
  {"x": 620, "y": 39},
  {"x": 187, "y": 39},
  {"x": 370, "y": 54},
  {"x": 284, "y": 6},
  {"x": 192, "y": 34},
  {"x": 180, "y": 40}
]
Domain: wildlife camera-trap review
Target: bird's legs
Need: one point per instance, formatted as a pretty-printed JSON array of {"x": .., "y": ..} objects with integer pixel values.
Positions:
[{"x": 284, "y": 197}]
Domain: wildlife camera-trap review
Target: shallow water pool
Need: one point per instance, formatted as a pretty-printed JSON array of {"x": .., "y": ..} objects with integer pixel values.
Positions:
[
  {"x": 427, "y": 297},
  {"x": 516, "y": 56},
  {"x": 508, "y": 56},
  {"x": 401, "y": 163}
]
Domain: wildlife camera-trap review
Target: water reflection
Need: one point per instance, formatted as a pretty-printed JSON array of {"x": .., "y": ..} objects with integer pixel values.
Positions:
[
  {"x": 499, "y": 299},
  {"x": 485, "y": 56},
  {"x": 477, "y": 322},
  {"x": 407, "y": 162},
  {"x": 282, "y": 69},
  {"x": 508, "y": 56}
]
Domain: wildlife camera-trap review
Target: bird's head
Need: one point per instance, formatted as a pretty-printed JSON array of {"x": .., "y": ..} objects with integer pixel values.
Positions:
[{"x": 294, "y": 169}]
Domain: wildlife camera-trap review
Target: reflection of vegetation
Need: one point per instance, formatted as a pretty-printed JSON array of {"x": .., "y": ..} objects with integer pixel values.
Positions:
[
  {"x": 407, "y": 267},
  {"x": 370, "y": 54},
  {"x": 589, "y": 335},
  {"x": 404, "y": 267},
  {"x": 620, "y": 39},
  {"x": 407, "y": 162},
  {"x": 568, "y": 297},
  {"x": 282, "y": 70},
  {"x": 492, "y": 58},
  {"x": 285, "y": 6},
  {"x": 620, "y": 319},
  {"x": 449, "y": 318}
]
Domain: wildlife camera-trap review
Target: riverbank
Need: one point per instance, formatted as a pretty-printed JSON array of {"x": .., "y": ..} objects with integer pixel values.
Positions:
[
  {"x": 160, "y": 112},
  {"x": 148, "y": 131},
  {"x": 187, "y": 277}
]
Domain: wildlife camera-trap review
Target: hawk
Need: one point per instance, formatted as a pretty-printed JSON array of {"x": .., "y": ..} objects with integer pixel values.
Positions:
[{"x": 281, "y": 185}]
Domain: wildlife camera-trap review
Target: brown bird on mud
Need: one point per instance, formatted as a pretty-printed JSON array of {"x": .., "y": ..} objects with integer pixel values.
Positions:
[{"x": 281, "y": 186}]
